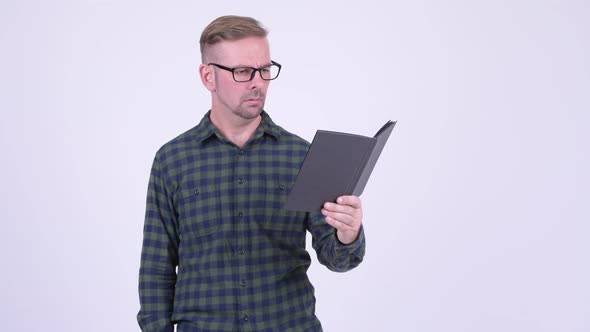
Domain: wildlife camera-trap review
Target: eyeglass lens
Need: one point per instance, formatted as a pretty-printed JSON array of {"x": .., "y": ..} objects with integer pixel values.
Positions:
[{"x": 243, "y": 74}]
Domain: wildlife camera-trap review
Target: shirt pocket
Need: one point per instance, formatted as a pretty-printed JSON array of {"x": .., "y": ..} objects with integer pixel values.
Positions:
[
  {"x": 277, "y": 218},
  {"x": 198, "y": 211}
]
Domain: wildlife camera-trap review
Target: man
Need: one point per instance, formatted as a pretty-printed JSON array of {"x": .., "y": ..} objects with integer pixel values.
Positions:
[{"x": 215, "y": 207}]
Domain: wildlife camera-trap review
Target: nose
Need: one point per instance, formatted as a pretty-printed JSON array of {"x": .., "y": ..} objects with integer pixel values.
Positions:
[{"x": 257, "y": 81}]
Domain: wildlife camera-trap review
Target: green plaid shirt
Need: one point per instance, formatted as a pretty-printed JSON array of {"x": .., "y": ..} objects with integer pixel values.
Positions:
[{"x": 215, "y": 212}]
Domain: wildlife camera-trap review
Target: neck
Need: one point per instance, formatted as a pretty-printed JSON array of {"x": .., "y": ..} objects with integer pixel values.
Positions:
[{"x": 237, "y": 130}]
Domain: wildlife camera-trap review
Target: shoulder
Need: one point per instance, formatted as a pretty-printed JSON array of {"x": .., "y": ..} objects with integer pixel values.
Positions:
[
  {"x": 284, "y": 137},
  {"x": 292, "y": 138},
  {"x": 290, "y": 145},
  {"x": 177, "y": 147}
]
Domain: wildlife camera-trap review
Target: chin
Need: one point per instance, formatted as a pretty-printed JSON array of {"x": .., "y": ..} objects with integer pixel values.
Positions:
[{"x": 249, "y": 114}]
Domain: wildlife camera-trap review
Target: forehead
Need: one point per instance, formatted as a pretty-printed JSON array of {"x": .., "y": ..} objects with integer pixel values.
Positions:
[{"x": 250, "y": 51}]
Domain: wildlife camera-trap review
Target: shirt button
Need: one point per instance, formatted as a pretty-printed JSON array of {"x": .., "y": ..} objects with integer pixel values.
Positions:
[
  {"x": 241, "y": 152},
  {"x": 243, "y": 283},
  {"x": 241, "y": 181},
  {"x": 241, "y": 252},
  {"x": 245, "y": 318},
  {"x": 240, "y": 214}
]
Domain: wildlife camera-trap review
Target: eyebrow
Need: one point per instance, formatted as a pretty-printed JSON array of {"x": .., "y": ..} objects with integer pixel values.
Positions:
[{"x": 268, "y": 64}]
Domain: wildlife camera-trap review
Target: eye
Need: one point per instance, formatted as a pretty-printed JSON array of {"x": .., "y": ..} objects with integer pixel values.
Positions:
[{"x": 243, "y": 71}]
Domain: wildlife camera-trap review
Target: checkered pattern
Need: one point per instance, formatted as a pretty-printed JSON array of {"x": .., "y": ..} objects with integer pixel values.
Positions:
[{"x": 214, "y": 210}]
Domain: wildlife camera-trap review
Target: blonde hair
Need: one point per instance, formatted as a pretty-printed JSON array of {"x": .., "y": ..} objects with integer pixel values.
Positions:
[{"x": 230, "y": 27}]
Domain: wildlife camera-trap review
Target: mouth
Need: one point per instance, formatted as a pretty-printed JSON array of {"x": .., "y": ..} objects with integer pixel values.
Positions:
[{"x": 253, "y": 101}]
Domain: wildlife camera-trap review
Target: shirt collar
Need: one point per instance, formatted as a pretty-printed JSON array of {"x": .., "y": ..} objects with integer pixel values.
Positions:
[{"x": 205, "y": 129}]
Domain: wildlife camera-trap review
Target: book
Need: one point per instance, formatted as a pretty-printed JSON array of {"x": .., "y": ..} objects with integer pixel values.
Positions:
[{"x": 336, "y": 164}]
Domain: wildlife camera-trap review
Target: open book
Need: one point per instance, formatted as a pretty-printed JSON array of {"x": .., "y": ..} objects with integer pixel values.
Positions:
[{"x": 336, "y": 164}]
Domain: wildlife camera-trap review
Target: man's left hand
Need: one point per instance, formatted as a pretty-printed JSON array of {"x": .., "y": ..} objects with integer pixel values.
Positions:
[{"x": 346, "y": 215}]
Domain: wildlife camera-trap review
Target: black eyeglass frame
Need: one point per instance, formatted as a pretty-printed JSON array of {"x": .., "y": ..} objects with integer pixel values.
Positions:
[{"x": 254, "y": 70}]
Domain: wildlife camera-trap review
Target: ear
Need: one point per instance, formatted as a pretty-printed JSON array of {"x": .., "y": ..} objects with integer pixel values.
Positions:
[{"x": 207, "y": 76}]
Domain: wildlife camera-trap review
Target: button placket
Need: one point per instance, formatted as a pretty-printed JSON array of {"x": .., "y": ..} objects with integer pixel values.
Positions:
[{"x": 241, "y": 187}]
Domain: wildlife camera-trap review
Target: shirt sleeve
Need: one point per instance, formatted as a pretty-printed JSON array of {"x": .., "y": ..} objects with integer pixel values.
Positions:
[
  {"x": 159, "y": 257},
  {"x": 332, "y": 253}
]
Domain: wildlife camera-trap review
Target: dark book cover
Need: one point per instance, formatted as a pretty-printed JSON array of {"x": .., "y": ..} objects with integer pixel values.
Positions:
[{"x": 336, "y": 164}]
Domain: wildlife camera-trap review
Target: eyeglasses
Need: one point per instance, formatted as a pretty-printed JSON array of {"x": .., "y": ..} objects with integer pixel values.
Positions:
[{"x": 246, "y": 74}]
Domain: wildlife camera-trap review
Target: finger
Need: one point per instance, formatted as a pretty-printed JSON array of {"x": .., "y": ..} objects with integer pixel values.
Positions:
[
  {"x": 343, "y": 218},
  {"x": 334, "y": 207},
  {"x": 350, "y": 200},
  {"x": 338, "y": 224}
]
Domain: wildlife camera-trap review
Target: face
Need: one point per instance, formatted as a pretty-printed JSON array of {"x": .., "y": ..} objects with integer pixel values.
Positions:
[{"x": 231, "y": 99}]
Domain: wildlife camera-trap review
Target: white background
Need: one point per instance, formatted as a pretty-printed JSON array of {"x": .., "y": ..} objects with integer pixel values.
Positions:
[{"x": 476, "y": 214}]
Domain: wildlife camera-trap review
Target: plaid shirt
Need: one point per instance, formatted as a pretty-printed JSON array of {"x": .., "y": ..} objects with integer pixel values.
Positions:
[{"x": 214, "y": 210}]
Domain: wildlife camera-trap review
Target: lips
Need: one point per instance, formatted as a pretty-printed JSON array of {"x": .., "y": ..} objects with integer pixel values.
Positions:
[
  {"x": 253, "y": 100},
  {"x": 254, "y": 103}
]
